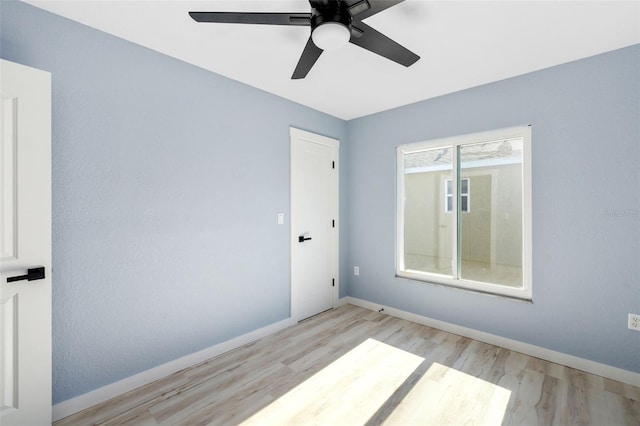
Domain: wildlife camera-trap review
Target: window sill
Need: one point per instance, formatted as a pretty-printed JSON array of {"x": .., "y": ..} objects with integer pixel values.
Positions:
[{"x": 514, "y": 293}]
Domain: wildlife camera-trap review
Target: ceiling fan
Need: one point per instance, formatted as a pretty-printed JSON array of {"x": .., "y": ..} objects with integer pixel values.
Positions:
[{"x": 333, "y": 23}]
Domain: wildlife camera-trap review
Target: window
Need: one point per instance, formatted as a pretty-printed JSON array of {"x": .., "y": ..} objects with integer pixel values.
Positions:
[
  {"x": 440, "y": 238},
  {"x": 464, "y": 195}
]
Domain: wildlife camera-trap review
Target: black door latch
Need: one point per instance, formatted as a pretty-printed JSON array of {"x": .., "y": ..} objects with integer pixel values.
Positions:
[{"x": 32, "y": 275}]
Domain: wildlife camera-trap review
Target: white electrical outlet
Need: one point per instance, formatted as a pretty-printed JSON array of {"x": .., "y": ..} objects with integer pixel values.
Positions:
[
  {"x": 356, "y": 271},
  {"x": 634, "y": 322}
]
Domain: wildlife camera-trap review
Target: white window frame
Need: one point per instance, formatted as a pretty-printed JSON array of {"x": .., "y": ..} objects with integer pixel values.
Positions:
[{"x": 524, "y": 292}]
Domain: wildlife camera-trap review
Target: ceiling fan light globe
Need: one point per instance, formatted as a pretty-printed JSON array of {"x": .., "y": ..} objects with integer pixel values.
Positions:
[{"x": 330, "y": 35}]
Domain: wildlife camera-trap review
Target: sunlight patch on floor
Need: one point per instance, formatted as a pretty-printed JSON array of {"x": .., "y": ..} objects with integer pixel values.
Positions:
[
  {"x": 348, "y": 391},
  {"x": 445, "y": 396}
]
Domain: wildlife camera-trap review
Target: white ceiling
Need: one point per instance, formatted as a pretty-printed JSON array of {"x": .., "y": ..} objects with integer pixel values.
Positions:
[{"x": 462, "y": 44}]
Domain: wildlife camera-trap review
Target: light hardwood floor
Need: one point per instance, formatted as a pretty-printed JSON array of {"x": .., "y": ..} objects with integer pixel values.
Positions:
[{"x": 352, "y": 366}]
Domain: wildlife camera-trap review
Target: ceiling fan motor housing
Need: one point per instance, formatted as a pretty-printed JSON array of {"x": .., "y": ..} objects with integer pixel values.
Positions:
[{"x": 339, "y": 15}]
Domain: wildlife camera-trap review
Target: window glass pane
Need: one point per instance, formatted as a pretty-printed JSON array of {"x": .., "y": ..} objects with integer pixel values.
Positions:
[
  {"x": 464, "y": 204},
  {"x": 427, "y": 225},
  {"x": 464, "y": 186},
  {"x": 490, "y": 245}
]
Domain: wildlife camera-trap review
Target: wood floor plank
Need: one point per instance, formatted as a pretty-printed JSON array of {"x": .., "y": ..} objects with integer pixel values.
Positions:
[
  {"x": 622, "y": 389},
  {"x": 578, "y": 402},
  {"x": 355, "y": 366},
  {"x": 524, "y": 398},
  {"x": 546, "y": 408}
]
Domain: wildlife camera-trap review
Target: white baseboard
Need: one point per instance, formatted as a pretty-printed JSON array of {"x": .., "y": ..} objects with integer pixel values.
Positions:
[
  {"x": 89, "y": 399},
  {"x": 341, "y": 302},
  {"x": 582, "y": 364}
]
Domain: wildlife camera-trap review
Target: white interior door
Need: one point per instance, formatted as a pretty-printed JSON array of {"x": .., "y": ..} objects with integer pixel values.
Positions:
[
  {"x": 314, "y": 223},
  {"x": 25, "y": 243}
]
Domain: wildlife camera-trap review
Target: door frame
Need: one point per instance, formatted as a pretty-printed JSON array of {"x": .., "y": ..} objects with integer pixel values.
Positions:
[{"x": 334, "y": 236}]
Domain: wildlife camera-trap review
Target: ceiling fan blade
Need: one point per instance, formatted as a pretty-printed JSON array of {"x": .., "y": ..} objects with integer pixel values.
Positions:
[
  {"x": 309, "y": 56},
  {"x": 253, "y": 18},
  {"x": 360, "y": 11},
  {"x": 366, "y": 37}
]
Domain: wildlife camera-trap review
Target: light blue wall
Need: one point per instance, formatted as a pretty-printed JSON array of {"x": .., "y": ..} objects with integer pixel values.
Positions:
[
  {"x": 166, "y": 183},
  {"x": 586, "y": 204}
]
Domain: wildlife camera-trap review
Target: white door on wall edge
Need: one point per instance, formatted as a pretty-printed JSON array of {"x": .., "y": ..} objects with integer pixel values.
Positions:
[
  {"x": 314, "y": 223},
  {"x": 25, "y": 245}
]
